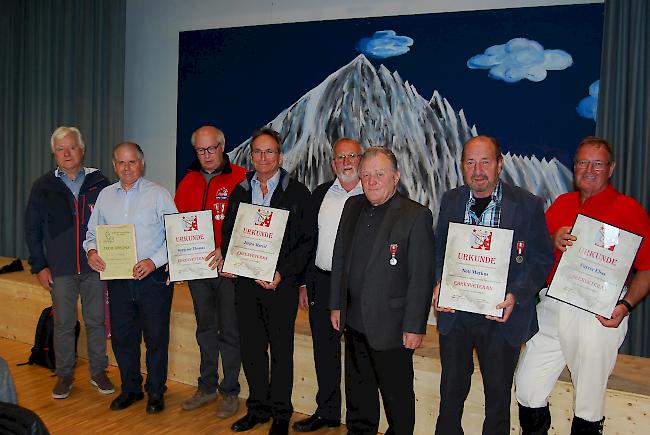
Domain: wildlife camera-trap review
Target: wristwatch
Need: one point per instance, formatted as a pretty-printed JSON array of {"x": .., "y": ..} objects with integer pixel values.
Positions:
[{"x": 627, "y": 305}]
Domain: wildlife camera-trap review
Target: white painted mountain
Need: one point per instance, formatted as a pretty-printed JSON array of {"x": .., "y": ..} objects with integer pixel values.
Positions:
[{"x": 380, "y": 108}]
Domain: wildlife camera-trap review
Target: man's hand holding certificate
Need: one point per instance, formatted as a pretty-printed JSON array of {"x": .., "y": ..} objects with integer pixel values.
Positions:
[
  {"x": 475, "y": 270},
  {"x": 117, "y": 251},
  {"x": 255, "y": 243}
]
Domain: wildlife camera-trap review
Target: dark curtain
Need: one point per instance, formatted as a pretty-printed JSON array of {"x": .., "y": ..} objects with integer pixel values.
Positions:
[
  {"x": 624, "y": 120},
  {"x": 62, "y": 63}
]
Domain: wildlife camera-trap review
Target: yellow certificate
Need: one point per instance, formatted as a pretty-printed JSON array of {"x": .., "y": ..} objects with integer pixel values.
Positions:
[{"x": 116, "y": 246}]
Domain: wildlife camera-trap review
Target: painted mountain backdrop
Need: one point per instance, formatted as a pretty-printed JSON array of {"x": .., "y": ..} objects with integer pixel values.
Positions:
[{"x": 380, "y": 108}]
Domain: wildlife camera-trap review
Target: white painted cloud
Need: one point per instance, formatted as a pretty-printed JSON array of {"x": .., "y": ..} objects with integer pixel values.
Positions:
[{"x": 520, "y": 58}]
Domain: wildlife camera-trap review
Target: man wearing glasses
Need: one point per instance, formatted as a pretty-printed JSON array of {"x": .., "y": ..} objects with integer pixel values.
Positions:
[
  {"x": 569, "y": 336},
  {"x": 267, "y": 310},
  {"x": 327, "y": 203},
  {"x": 207, "y": 186}
]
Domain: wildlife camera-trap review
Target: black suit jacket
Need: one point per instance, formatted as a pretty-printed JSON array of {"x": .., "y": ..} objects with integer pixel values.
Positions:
[
  {"x": 395, "y": 299},
  {"x": 522, "y": 212}
]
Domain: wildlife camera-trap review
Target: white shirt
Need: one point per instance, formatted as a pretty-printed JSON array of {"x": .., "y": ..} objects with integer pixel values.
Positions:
[{"x": 329, "y": 216}]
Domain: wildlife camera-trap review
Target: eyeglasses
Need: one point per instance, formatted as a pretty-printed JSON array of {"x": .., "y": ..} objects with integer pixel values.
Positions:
[
  {"x": 268, "y": 153},
  {"x": 210, "y": 150},
  {"x": 597, "y": 165},
  {"x": 349, "y": 156}
]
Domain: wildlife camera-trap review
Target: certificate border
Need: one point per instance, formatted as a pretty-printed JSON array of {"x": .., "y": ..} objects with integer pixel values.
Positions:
[
  {"x": 167, "y": 245},
  {"x": 505, "y": 292},
  {"x": 562, "y": 254},
  {"x": 135, "y": 249}
]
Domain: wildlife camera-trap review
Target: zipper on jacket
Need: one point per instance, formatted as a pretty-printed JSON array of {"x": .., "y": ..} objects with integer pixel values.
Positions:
[
  {"x": 205, "y": 193},
  {"x": 76, "y": 215}
]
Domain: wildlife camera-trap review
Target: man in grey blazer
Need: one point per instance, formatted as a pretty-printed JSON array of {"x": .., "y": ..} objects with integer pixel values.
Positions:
[
  {"x": 382, "y": 282},
  {"x": 485, "y": 200}
]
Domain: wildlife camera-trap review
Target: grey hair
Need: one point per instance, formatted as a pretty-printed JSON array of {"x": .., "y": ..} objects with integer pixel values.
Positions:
[{"x": 62, "y": 132}]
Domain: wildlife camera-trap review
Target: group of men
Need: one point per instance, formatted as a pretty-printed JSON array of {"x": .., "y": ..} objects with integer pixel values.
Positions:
[{"x": 360, "y": 257}]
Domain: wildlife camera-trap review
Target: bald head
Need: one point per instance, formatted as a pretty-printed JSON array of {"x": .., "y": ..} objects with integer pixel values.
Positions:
[{"x": 209, "y": 143}]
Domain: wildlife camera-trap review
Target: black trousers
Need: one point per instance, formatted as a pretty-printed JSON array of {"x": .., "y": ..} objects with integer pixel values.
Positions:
[
  {"x": 327, "y": 349},
  {"x": 497, "y": 361},
  {"x": 141, "y": 309},
  {"x": 217, "y": 333},
  {"x": 266, "y": 325},
  {"x": 366, "y": 371}
]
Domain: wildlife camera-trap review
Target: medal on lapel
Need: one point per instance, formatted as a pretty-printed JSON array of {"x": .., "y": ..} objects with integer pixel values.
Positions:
[
  {"x": 520, "y": 249},
  {"x": 393, "y": 253}
]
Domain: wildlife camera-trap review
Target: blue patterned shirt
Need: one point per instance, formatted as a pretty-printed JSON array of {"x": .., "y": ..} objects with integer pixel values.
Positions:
[{"x": 491, "y": 216}]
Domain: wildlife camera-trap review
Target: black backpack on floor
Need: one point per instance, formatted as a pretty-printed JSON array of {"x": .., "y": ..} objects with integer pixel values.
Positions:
[{"x": 43, "y": 350}]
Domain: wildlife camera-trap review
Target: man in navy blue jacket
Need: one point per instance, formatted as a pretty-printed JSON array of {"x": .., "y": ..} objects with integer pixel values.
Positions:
[
  {"x": 485, "y": 200},
  {"x": 56, "y": 217}
]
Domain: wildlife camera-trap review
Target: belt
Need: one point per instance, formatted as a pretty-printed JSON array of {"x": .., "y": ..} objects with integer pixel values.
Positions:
[{"x": 323, "y": 272}]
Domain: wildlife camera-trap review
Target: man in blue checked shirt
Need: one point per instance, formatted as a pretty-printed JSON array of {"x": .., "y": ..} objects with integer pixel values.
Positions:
[
  {"x": 486, "y": 200},
  {"x": 139, "y": 306}
]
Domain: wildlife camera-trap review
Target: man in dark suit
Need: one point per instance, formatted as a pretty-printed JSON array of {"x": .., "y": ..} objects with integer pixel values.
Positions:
[
  {"x": 327, "y": 202},
  {"x": 382, "y": 282},
  {"x": 485, "y": 200}
]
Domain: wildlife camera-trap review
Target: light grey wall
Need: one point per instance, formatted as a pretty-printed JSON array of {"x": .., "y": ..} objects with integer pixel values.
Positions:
[{"x": 151, "y": 69}]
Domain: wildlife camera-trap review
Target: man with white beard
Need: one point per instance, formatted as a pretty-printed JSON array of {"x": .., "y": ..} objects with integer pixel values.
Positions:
[{"x": 327, "y": 203}]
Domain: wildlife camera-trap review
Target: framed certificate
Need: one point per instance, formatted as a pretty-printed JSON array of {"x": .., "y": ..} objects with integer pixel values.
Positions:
[
  {"x": 592, "y": 272},
  {"x": 190, "y": 238},
  {"x": 475, "y": 271},
  {"x": 116, "y": 246},
  {"x": 256, "y": 241}
]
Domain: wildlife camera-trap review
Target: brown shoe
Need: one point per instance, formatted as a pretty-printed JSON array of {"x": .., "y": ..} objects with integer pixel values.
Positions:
[
  {"x": 62, "y": 387},
  {"x": 228, "y": 406},
  {"x": 198, "y": 400}
]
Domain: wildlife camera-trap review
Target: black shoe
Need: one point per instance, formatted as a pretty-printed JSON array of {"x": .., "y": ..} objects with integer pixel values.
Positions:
[
  {"x": 124, "y": 400},
  {"x": 279, "y": 427},
  {"x": 248, "y": 422},
  {"x": 314, "y": 423},
  {"x": 155, "y": 403}
]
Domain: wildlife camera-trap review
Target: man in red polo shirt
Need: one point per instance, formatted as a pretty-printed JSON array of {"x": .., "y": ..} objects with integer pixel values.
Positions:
[
  {"x": 584, "y": 342},
  {"x": 207, "y": 186}
]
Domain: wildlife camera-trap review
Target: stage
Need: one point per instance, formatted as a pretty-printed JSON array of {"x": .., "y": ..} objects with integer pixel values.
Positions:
[{"x": 628, "y": 397}]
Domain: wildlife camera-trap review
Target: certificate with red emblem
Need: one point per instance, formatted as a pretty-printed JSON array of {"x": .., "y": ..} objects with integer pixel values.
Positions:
[
  {"x": 256, "y": 241},
  {"x": 475, "y": 271},
  {"x": 190, "y": 238},
  {"x": 592, "y": 272}
]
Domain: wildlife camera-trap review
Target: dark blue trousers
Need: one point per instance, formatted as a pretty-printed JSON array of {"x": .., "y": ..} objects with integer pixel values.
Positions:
[{"x": 141, "y": 309}]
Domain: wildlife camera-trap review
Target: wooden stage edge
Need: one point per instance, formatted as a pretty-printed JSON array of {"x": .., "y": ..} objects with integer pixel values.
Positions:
[{"x": 627, "y": 406}]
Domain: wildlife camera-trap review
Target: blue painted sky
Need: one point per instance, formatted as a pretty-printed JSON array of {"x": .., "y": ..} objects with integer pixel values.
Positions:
[{"x": 241, "y": 78}]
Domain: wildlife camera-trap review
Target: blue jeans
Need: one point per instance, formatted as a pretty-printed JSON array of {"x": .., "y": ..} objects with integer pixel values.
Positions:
[{"x": 141, "y": 309}]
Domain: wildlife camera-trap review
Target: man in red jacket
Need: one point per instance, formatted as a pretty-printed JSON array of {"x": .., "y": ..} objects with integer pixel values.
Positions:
[{"x": 207, "y": 186}]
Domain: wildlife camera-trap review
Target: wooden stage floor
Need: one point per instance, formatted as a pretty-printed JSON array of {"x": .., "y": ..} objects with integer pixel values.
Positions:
[{"x": 22, "y": 299}]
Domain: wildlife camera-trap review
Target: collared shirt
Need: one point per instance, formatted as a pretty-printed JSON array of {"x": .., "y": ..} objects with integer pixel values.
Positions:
[
  {"x": 257, "y": 197},
  {"x": 491, "y": 216},
  {"x": 329, "y": 216},
  {"x": 143, "y": 205},
  {"x": 74, "y": 185}
]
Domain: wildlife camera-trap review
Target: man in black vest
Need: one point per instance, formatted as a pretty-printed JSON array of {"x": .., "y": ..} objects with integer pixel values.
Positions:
[{"x": 327, "y": 202}]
